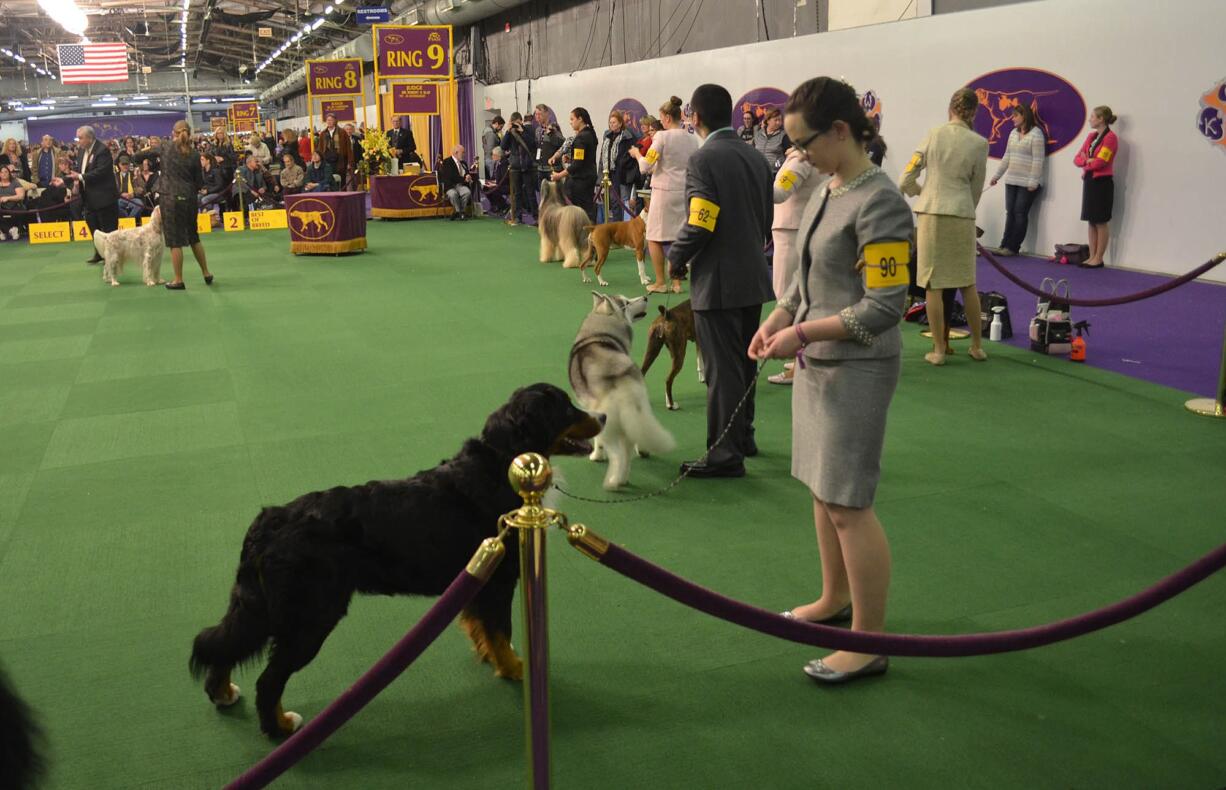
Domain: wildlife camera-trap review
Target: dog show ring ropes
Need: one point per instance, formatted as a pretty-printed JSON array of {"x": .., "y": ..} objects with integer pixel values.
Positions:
[{"x": 326, "y": 222}]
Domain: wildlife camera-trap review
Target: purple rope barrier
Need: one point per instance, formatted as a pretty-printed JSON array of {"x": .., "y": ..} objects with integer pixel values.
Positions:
[
  {"x": 1110, "y": 301},
  {"x": 377, "y": 678},
  {"x": 41, "y": 209},
  {"x": 712, "y": 603}
]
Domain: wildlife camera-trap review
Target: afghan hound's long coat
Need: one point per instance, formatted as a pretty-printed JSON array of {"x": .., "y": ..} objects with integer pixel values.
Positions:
[{"x": 563, "y": 235}]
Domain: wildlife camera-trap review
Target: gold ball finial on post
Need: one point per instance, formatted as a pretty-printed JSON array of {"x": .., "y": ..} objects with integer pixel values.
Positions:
[{"x": 531, "y": 475}]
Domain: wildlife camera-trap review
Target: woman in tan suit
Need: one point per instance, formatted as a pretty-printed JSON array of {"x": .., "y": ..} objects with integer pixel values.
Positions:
[{"x": 956, "y": 158}]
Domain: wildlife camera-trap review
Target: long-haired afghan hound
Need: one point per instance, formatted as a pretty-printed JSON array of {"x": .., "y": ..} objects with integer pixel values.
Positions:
[{"x": 563, "y": 235}]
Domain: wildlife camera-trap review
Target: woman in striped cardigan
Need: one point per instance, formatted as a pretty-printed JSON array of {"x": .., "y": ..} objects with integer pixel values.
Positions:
[{"x": 1022, "y": 168}]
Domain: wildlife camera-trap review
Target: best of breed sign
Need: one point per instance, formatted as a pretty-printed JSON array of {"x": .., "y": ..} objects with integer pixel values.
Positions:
[
  {"x": 334, "y": 77},
  {"x": 413, "y": 51}
]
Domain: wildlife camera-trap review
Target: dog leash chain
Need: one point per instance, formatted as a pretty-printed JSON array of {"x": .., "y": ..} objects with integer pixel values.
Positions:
[{"x": 676, "y": 481}]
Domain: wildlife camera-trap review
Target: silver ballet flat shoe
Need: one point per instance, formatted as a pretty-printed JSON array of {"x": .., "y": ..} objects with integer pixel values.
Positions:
[
  {"x": 821, "y": 673},
  {"x": 841, "y": 616}
]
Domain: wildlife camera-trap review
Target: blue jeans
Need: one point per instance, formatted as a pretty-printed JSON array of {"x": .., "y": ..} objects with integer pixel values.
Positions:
[
  {"x": 1018, "y": 201},
  {"x": 130, "y": 208}
]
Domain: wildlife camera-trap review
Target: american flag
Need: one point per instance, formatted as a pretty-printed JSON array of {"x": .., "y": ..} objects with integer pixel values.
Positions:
[{"x": 93, "y": 63}]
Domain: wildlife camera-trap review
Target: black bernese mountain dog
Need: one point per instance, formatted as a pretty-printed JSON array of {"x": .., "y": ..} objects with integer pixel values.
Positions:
[
  {"x": 20, "y": 762},
  {"x": 302, "y": 562}
]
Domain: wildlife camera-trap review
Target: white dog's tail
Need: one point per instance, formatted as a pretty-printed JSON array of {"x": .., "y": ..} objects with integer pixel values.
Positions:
[{"x": 628, "y": 411}]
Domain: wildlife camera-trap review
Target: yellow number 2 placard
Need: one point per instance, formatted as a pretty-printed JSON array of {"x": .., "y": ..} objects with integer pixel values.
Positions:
[{"x": 885, "y": 264}]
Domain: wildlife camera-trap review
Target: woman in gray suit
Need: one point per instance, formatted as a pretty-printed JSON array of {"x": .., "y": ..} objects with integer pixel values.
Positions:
[
  {"x": 956, "y": 158},
  {"x": 839, "y": 320}
]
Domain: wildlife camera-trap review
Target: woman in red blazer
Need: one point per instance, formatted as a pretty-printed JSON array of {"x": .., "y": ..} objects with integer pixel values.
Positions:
[{"x": 1097, "y": 162}]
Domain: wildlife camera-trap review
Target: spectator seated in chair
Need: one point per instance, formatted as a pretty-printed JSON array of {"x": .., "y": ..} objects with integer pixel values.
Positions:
[
  {"x": 291, "y": 177},
  {"x": 213, "y": 187},
  {"x": 456, "y": 182},
  {"x": 251, "y": 185},
  {"x": 12, "y": 197},
  {"x": 318, "y": 176},
  {"x": 145, "y": 184},
  {"x": 496, "y": 186},
  {"x": 125, "y": 182}
]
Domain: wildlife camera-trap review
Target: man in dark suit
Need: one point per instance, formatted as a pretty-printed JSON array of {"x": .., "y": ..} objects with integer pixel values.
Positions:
[
  {"x": 95, "y": 179},
  {"x": 728, "y": 188},
  {"x": 456, "y": 182},
  {"x": 401, "y": 141}
]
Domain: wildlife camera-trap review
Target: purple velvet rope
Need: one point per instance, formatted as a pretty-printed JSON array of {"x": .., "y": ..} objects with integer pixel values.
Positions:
[
  {"x": 40, "y": 210},
  {"x": 704, "y": 600},
  {"x": 1111, "y": 301},
  {"x": 377, "y": 678}
]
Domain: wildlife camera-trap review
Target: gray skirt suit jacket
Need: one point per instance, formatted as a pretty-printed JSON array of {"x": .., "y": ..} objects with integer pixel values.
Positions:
[{"x": 841, "y": 395}]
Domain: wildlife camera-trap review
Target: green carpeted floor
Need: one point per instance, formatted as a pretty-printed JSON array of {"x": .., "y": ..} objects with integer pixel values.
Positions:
[{"x": 141, "y": 430}]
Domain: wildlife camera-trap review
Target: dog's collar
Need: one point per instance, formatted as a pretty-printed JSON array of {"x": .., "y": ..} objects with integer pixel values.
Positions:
[{"x": 601, "y": 339}]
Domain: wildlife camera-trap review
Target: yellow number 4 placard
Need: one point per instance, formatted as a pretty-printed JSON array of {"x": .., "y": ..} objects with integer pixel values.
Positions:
[
  {"x": 80, "y": 231},
  {"x": 233, "y": 220},
  {"x": 885, "y": 264}
]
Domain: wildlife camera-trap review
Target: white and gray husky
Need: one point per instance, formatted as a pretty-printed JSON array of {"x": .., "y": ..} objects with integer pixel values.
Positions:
[{"x": 606, "y": 380}]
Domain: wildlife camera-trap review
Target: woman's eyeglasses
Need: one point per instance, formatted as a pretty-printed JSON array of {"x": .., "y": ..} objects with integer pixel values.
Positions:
[{"x": 804, "y": 144}]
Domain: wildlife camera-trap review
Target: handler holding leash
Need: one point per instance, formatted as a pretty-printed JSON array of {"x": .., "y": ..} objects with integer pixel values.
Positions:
[
  {"x": 728, "y": 190},
  {"x": 180, "y": 184},
  {"x": 839, "y": 319}
]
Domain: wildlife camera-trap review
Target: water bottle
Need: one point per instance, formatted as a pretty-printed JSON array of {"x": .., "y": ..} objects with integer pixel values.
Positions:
[{"x": 997, "y": 330}]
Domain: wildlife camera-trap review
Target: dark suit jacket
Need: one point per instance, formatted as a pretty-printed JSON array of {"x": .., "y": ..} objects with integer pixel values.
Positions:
[
  {"x": 98, "y": 182},
  {"x": 729, "y": 197},
  {"x": 449, "y": 175}
]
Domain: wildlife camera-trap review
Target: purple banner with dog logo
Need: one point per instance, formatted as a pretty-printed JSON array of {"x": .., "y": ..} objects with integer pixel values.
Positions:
[
  {"x": 1059, "y": 109},
  {"x": 106, "y": 127}
]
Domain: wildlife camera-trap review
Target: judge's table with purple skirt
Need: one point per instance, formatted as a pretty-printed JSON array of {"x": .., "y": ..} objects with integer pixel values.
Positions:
[
  {"x": 326, "y": 223},
  {"x": 411, "y": 195}
]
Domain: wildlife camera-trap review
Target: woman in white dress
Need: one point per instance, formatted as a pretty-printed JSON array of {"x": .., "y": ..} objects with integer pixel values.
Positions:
[{"x": 670, "y": 150}]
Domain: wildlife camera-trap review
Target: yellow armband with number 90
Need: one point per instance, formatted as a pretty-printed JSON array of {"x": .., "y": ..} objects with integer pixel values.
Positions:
[{"x": 886, "y": 264}]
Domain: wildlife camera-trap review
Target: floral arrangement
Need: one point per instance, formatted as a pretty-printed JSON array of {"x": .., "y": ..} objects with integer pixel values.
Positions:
[{"x": 376, "y": 154}]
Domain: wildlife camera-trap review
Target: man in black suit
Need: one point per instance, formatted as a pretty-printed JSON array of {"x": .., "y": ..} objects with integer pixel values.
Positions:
[
  {"x": 456, "y": 182},
  {"x": 400, "y": 140},
  {"x": 95, "y": 179},
  {"x": 728, "y": 187}
]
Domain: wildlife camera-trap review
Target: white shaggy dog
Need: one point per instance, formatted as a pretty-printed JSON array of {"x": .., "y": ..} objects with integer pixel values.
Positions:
[
  {"x": 605, "y": 379},
  {"x": 562, "y": 227},
  {"x": 143, "y": 243}
]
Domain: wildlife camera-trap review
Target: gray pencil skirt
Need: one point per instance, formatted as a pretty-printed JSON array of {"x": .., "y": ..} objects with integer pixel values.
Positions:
[{"x": 838, "y": 426}]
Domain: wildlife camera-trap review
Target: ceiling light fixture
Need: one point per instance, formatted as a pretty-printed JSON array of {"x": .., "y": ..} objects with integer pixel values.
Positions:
[{"x": 66, "y": 14}]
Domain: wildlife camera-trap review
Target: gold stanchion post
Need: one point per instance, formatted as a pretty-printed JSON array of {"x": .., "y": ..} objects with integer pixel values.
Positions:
[
  {"x": 605, "y": 183},
  {"x": 1208, "y": 407},
  {"x": 531, "y": 475}
]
